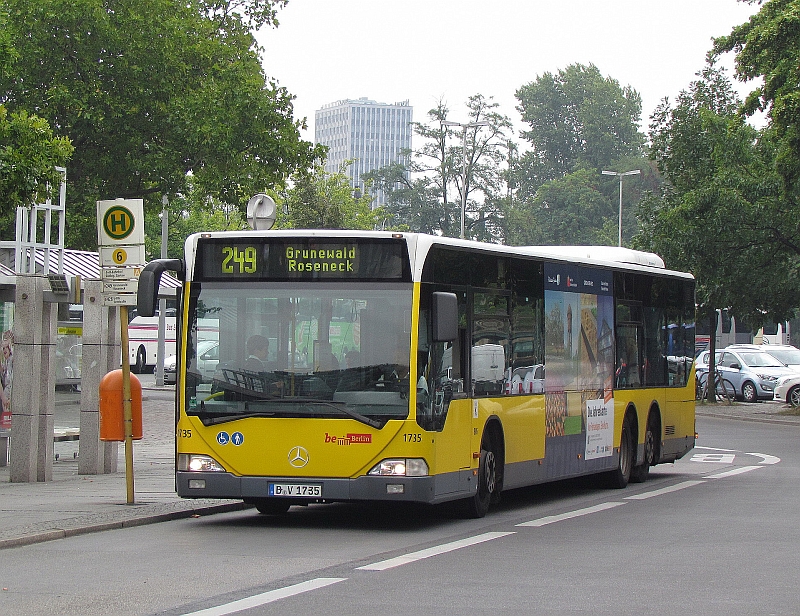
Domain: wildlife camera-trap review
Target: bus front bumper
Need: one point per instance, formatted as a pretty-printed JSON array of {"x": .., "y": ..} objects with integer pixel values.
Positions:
[{"x": 365, "y": 488}]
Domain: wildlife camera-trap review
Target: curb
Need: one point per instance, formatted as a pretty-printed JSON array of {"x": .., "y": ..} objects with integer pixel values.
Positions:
[
  {"x": 761, "y": 419},
  {"x": 63, "y": 533}
]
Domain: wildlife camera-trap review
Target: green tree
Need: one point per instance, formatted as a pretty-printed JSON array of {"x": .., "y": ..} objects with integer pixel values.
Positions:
[
  {"x": 577, "y": 119},
  {"x": 412, "y": 203},
  {"x": 768, "y": 47},
  {"x": 29, "y": 155},
  {"x": 567, "y": 211},
  {"x": 321, "y": 200},
  {"x": 151, "y": 93},
  {"x": 709, "y": 219},
  {"x": 186, "y": 214},
  {"x": 426, "y": 195}
]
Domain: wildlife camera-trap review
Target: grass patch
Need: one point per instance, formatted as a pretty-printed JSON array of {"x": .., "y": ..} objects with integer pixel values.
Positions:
[{"x": 794, "y": 412}]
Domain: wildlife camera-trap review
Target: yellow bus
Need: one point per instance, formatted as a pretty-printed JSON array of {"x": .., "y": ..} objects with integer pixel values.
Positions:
[{"x": 379, "y": 366}]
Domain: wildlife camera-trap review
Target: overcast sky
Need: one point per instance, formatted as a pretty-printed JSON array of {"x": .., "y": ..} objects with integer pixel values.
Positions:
[{"x": 426, "y": 50}]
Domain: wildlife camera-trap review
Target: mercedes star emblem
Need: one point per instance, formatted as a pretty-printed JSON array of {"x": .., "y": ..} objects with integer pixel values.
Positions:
[{"x": 298, "y": 456}]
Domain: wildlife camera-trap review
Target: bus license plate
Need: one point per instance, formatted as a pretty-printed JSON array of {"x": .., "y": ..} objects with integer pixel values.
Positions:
[{"x": 296, "y": 490}]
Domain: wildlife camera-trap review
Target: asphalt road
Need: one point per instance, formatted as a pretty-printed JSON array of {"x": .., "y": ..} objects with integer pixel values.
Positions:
[{"x": 716, "y": 533}]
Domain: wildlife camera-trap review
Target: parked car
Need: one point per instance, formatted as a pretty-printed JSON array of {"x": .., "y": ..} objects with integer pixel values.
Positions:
[
  {"x": 752, "y": 373},
  {"x": 785, "y": 353},
  {"x": 207, "y": 360},
  {"x": 788, "y": 390}
]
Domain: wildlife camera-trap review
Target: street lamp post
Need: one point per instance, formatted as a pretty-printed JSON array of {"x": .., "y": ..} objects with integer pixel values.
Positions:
[
  {"x": 620, "y": 176},
  {"x": 464, "y": 128}
]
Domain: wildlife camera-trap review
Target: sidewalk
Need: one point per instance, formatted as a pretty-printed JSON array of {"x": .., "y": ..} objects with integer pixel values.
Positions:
[
  {"x": 769, "y": 412},
  {"x": 73, "y": 504}
]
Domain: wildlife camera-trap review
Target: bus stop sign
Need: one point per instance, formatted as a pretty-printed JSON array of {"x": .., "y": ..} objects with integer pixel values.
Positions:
[{"x": 120, "y": 221}]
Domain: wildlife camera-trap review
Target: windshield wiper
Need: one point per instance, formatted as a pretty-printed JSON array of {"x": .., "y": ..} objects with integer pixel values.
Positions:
[
  {"x": 374, "y": 423},
  {"x": 224, "y": 416}
]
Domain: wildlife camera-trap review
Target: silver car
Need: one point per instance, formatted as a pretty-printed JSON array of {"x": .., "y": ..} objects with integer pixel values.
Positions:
[
  {"x": 752, "y": 372},
  {"x": 207, "y": 360}
]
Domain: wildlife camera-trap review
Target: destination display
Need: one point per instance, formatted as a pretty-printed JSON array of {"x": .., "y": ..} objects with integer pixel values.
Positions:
[{"x": 284, "y": 259}]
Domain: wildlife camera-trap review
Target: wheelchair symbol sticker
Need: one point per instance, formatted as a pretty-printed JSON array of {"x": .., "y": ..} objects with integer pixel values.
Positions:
[{"x": 223, "y": 438}]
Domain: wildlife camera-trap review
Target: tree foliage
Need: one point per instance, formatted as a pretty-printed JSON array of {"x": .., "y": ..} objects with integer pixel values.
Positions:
[
  {"x": 577, "y": 119},
  {"x": 321, "y": 200},
  {"x": 566, "y": 211},
  {"x": 580, "y": 123},
  {"x": 712, "y": 216},
  {"x": 186, "y": 214},
  {"x": 768, "y": 47},
  {"x": 427, "y": 194},
  {"x": 150, "y": 93},
  {"x": 29, "y": 155}
]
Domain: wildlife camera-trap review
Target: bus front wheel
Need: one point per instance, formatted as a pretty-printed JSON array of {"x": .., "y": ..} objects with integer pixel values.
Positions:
[
  {"x": 271, "y": 506},
  {"x": 478, "y": 505}
]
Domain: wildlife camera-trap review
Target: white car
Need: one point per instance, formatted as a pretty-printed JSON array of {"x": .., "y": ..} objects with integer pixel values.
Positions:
[
  {"x": 788, "y": 390},
  {"x": 207, "y": 360},
  {"x": 785, "y": 353}
]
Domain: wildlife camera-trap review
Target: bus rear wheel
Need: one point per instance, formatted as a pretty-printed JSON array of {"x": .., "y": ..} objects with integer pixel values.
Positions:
[
  {"x": 640, "y": 473},
  {"x": 619, "y": 477}
]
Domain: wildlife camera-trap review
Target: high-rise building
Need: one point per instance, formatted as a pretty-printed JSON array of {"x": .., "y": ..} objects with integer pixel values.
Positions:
[{"x": 371, "y": 134}]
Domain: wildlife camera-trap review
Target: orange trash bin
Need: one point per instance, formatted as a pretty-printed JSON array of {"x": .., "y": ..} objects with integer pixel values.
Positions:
[{"x": 112, "y": 417}]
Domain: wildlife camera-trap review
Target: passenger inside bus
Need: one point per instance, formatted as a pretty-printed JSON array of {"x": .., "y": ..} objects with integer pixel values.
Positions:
[{"x": 258, "y": 350}]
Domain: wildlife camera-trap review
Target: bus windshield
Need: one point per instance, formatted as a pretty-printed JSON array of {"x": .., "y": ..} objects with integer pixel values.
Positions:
[{"x": 298, "y": 350}]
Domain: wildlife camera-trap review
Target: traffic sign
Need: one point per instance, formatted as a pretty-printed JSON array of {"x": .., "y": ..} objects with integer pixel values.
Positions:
[
  {"x": 128, "y": 299},
  {"x": 117, "y": 256},
  {"x": 120, "y": 221},
  {"x": 120, "y": 273},
  {"x": 115, "y": 287}
]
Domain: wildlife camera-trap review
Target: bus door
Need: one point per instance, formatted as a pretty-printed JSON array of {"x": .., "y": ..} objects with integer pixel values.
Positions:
[{"x": 442, "y": 400}]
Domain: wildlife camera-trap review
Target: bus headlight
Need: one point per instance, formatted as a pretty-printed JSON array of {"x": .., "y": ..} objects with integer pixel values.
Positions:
[
  {"x": 196, "y": 463},
  {"x": 402, "y": 467}
]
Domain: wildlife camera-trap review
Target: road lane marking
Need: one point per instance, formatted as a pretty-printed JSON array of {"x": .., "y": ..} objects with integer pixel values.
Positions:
[
  {"x": 667, "y": 490},
  {"x": 735, "y": 471},
  {"x": 713, "y": 458},
  {"x": 570, "y": 514},
  {"x": 717, "y": 449},
  {"x": 434, "y": 551},
  {"x": 767, "y": 459},
  {"x": 266, "y": 597}
]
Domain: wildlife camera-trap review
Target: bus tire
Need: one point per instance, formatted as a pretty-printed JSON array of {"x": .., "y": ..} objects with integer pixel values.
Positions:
[
  {"x": 477, "y": 506},
  {"x": 640, "y": 472},
  {"x": 270, "y": 506},
  {"x": 141, "y": 359},
  {"x": 620, "y": 476}
]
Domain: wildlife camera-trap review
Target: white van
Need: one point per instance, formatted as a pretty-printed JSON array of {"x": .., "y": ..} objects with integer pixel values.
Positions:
[
  {"x": 488, "y": 368},
  {"x": 143, "y": 339},
  {"x": 143, "y": 342}
]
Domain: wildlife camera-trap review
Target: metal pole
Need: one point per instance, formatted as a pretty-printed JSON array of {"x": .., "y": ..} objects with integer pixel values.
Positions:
[
  {"x": 162, "y": 304},
  {"x": 127, "y": 411},
  {"x": 620, "y": 211},
  {"x": 463, "y": 176}
]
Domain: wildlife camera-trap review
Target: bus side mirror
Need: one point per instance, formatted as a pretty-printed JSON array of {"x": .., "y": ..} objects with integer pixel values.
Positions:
[
  {"x": 445, "y": 316},
  {"x": 149, "y": 281}
]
